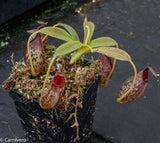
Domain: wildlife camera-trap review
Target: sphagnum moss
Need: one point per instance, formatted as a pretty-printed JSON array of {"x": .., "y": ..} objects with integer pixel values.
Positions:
[{"x": 77, "y": 77}]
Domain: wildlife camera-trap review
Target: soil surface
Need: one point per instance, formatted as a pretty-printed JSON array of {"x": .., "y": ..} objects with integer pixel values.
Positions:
[{"x": 135, "y": 26}]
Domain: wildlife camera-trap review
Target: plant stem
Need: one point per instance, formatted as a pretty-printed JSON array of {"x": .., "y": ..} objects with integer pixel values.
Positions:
[
  {"x": 44, "y": 38},
  {"x": 29, "y": 53},
  {"x": 89, "y": 47},
  {"x": 113, "y": 67},
  {"x": 48, "y": 71},
  {"x": 134, "y": 80}
]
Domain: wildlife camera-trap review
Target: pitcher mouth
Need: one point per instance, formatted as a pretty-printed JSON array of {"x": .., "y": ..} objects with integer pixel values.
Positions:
[{"x": 58, "y": 80}]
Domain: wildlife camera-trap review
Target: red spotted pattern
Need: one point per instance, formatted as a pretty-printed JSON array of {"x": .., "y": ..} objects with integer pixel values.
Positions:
[
  {"x": 106, "y": 68},
  {"x": 37, "y": 54},
  {"x": 138, "y": 89},
  {"x": 52, "y": 94}
]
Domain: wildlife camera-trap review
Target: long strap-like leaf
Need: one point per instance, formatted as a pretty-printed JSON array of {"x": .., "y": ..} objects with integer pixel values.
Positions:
[
  {"x": 68, "y": 48},
  {"x": 70, "y": 30},
  {"x": 56, "y": 33},
  {"x": 103, "y": 42},
  {"x": 113, "y": 53}
]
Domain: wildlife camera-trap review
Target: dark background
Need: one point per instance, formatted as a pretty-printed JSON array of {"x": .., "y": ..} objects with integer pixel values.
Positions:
[
  {"x": 135, "y": 26},
  {"x": 12, "y": 8}
]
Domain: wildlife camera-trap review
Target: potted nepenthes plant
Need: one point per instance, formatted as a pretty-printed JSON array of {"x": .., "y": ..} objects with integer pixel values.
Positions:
[{"x": 54, "y": 89}]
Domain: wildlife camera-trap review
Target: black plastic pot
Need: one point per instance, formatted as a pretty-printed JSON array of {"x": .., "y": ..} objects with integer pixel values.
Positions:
[{"x": 46, "y": 126}]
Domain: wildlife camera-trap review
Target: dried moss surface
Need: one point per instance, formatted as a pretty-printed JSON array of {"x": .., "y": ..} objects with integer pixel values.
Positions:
[{"x": 78, "y": 77}]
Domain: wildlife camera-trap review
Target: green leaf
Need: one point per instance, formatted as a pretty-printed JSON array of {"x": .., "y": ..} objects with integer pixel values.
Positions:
[
  {"x": 113, "y": 53},
  {"x": 88, "y": 31},
  {"x": 68, "y": 47},
  {"x": 70, "y": 30},
  {"x": 56, "y": 33},
  {"x": 79, "y": 54},
  {"x": 103, "y": 41}
]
